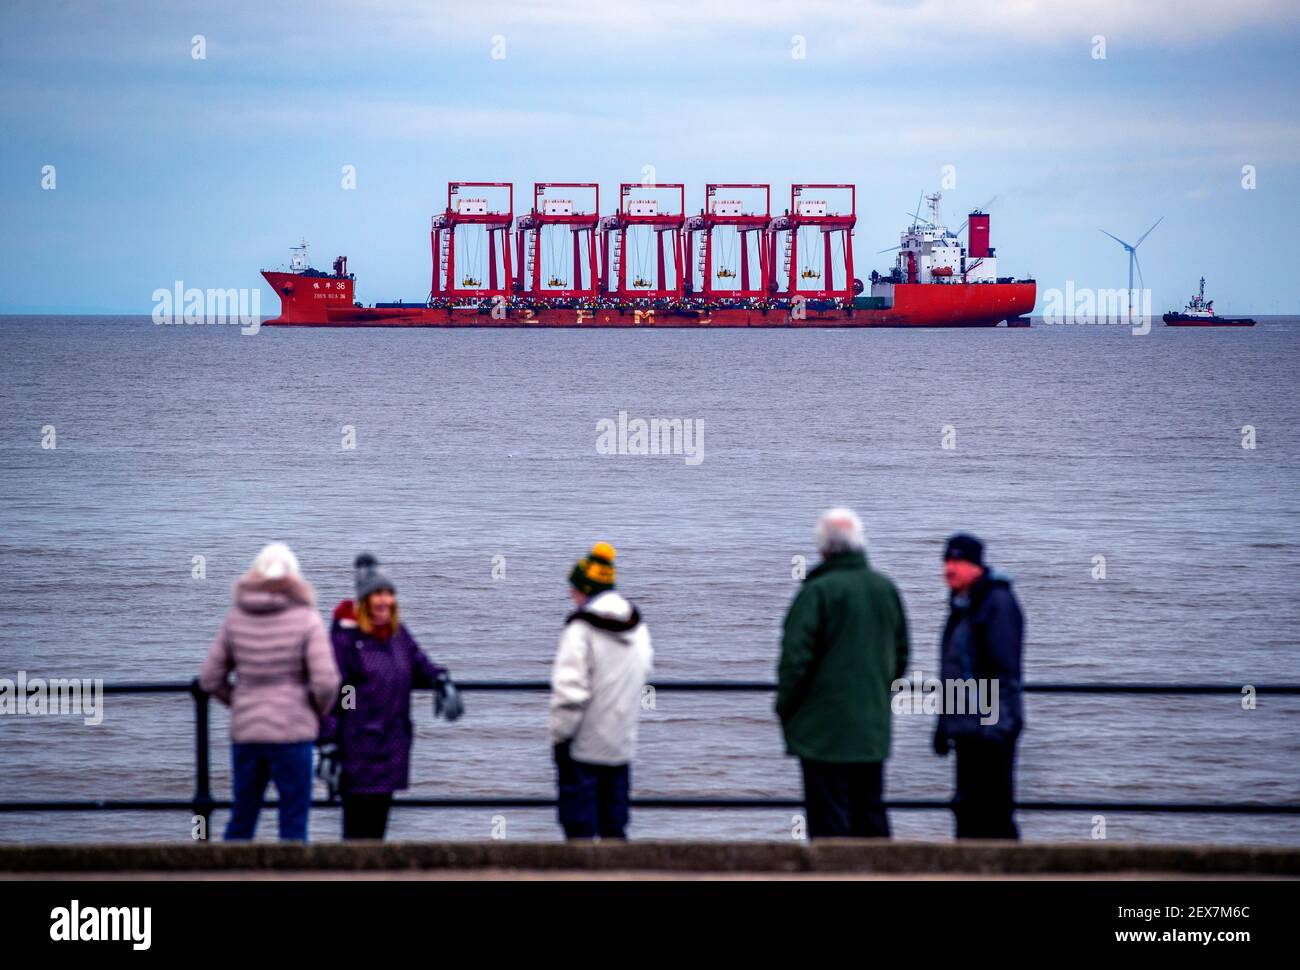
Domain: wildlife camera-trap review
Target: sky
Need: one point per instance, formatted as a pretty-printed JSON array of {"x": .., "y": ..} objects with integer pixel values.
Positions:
[{"x": 169, "y": 166}]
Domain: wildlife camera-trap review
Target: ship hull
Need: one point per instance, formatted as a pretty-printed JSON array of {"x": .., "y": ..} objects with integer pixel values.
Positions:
[{"x": 328, "y": 302}]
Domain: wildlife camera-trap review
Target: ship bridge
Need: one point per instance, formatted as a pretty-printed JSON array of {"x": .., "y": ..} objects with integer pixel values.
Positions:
[{"x": 930, "y": 252}]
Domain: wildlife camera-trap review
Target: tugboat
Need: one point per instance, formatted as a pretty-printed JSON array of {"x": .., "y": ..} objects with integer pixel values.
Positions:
[{"x": 1199, "y": 312}]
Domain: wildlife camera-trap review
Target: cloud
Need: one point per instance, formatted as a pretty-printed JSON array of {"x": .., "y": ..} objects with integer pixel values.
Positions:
[
  {"x": 1083, "y": 134},
  {"x": 597, "y": 31},
  {"x": 881, "y": 22}
]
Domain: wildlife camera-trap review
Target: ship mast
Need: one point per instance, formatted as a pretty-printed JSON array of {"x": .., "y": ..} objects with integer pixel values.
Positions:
[
  {"x": 933, "y": 199},
  {"x": 298, "y": 258}
]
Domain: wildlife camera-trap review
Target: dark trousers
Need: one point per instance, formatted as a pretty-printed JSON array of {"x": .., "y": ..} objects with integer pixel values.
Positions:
[
  {"x": 844, "y": 799},
  {"x": 593, "y": 799},
  {"x": 985, "y": 789},
  {"x": 256, "y": 764},
  {"x": 366, "y": 816}
]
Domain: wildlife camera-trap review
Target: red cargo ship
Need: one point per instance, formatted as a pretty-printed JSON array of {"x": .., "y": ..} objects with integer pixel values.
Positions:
[{"x": 651, "y": 265}]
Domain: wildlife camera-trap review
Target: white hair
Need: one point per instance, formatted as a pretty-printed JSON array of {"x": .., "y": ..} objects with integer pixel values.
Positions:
[
  {"x": 840, "y": 530},
  {"x": 276, "y": 561}
]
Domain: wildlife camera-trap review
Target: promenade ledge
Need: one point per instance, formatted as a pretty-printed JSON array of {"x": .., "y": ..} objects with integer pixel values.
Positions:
[{"x": 839, "y": 858}]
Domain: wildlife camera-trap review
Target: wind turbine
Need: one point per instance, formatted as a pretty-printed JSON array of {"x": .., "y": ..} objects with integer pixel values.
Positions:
[{"x": 1133, "y": 260}]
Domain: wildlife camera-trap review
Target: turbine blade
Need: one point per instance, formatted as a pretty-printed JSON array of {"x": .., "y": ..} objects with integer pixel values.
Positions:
[
  {"x": 1148, "y": 232},
  {"x": 1117, "y": 239},
  {"x": 1137, "y": 262}
]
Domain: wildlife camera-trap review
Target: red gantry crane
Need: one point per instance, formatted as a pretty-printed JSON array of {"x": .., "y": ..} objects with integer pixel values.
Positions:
[
  {"x": 806, "y": 269},
  {"x": 471, "y": 240},
  {"x": 734, "y": 240},
  {"x": 649, "y": 221},
  {"x": 544, "y": 267}
]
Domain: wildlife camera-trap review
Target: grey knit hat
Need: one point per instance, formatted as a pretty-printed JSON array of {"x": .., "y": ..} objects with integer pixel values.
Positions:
[{"x": 370, "y": 578}]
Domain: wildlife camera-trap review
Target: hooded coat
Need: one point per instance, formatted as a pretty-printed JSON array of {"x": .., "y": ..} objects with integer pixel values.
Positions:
[
  {"x": 983, "y": 639},
  {"x": 602, "y": 664},
  {"x": 845, "y": 643},
  {"x": 273, "y": 641},
  {"x": 372, "y": 724}
]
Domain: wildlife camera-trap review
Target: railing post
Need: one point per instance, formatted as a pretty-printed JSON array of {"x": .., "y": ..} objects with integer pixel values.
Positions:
[{"x": 202, "y": 804}]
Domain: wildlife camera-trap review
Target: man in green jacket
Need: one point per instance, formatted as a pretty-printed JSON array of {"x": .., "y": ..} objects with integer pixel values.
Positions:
[{"x": 845, "y": 642}]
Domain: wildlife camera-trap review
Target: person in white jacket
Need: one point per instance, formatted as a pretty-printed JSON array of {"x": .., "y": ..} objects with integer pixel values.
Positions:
[{"x": 600, "y": 670}]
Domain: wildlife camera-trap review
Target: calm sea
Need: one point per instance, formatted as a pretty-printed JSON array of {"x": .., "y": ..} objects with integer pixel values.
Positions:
[{"x": 475, "y": 448}]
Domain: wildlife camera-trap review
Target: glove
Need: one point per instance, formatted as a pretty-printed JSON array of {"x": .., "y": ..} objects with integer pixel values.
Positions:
[
  {"x": 446, "y": 698},
  {"x": 329, "y": 768},
  {"x": 941, "y": 742}
]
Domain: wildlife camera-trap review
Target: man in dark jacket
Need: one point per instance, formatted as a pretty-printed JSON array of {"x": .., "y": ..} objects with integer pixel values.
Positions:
[
  {"x": 845, "y": 642},
  {"x": 982, "y": 644}
]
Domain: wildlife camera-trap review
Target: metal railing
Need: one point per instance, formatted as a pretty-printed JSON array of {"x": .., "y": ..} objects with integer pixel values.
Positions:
[{"x": 202, "y": 803}]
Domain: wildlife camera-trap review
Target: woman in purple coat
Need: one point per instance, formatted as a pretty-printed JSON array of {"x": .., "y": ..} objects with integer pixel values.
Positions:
[{"x": 365, "y": 740}]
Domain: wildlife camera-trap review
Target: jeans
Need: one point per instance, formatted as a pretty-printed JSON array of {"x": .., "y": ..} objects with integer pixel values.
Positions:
[
  {"x": 844, "y": 799},
  {"x": 255, "y": 764},
  {"x": 593, "y": 798}
]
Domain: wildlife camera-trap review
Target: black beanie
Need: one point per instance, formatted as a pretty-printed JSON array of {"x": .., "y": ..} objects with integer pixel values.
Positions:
[{"x": 965, "y": 547}]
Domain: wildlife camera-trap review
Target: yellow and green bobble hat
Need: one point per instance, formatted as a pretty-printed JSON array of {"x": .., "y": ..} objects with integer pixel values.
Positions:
[{"x": 594, "y": 573}]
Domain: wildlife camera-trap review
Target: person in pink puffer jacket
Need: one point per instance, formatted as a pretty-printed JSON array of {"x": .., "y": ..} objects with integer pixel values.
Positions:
[{"x": 275, "y": 644}]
